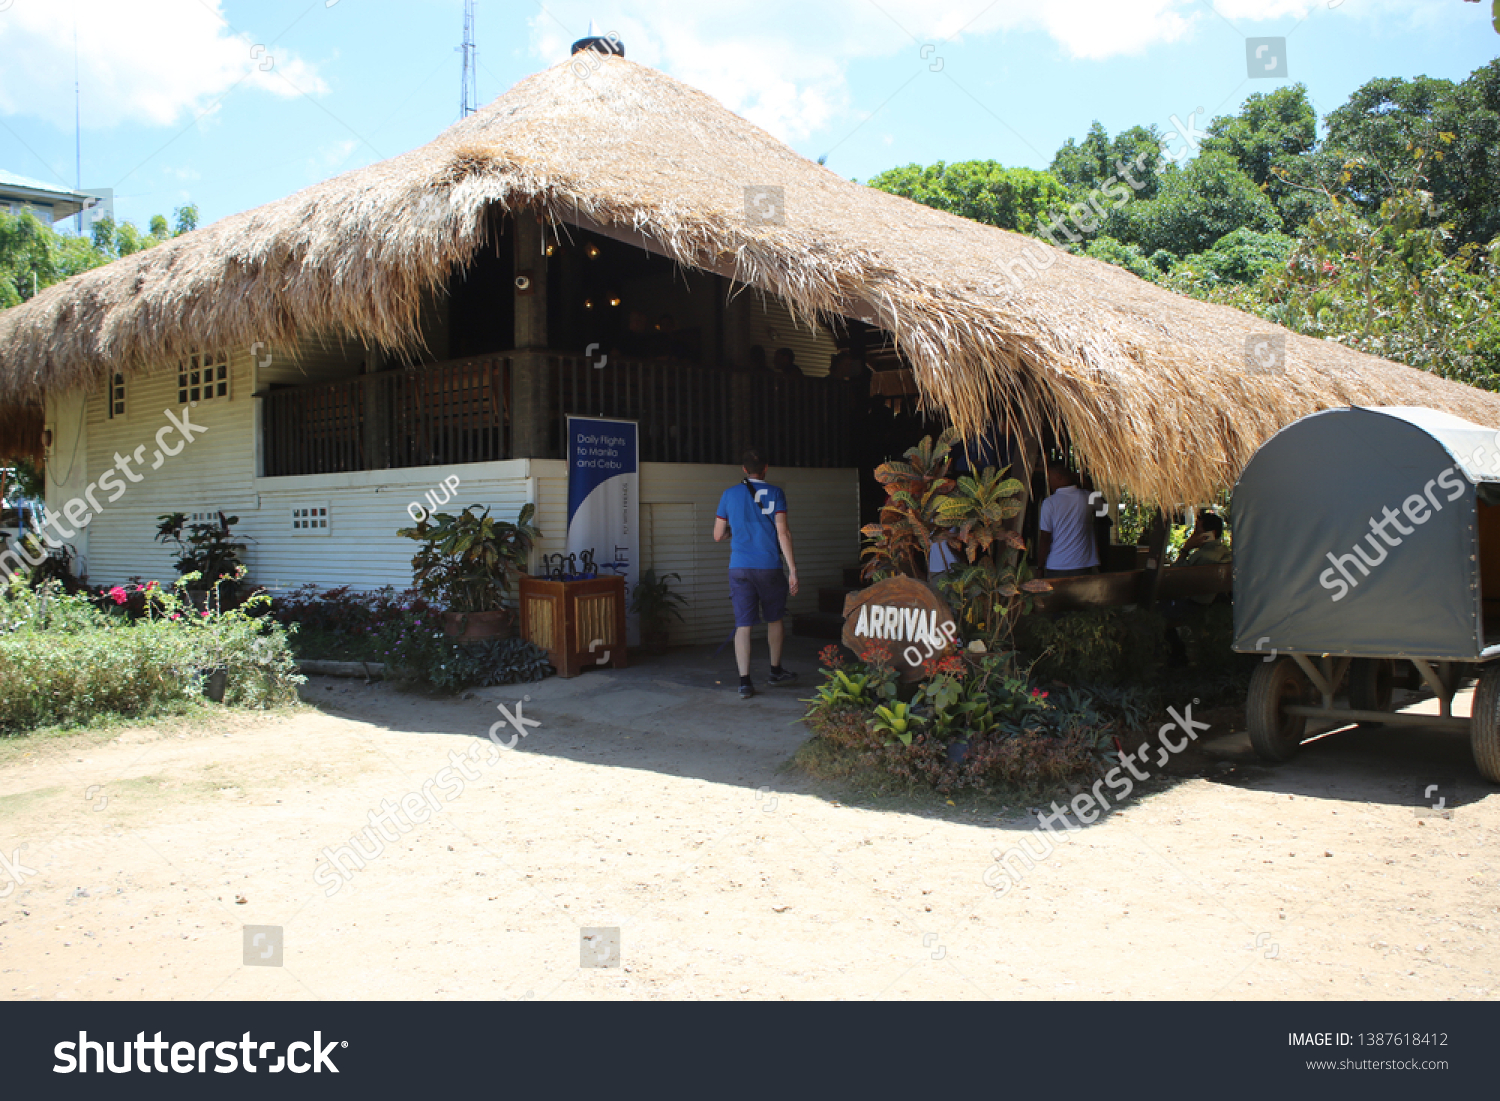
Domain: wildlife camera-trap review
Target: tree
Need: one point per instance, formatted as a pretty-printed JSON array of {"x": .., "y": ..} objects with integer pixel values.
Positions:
[
  {"x": 33, "y": 256},
  {"x": 1273, "y": 130},
  {"x": 1194, "y": 207},
  {"x": 1129, "y": 257},
  {"x": 1391, "y": 285},
  {"x": 986, "y": 191},
  {"x": 113, "y": 239},
  {"x": 1392, "y": 130},
  {"x": 1242, "y": 256},
  {"x": 1089, "y": 164}
]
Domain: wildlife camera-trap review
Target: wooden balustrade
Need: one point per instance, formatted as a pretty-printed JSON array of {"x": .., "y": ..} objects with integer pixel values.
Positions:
[{"x": 461, "y": 412}]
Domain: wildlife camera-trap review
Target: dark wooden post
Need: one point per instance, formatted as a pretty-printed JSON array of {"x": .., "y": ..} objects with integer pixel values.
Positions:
[
  {"x": 374, "y": 413},
  {"x": 1155, "y": 563},
  {"x": 532, "y": 408},
  {"x": 531, "y": 270}
]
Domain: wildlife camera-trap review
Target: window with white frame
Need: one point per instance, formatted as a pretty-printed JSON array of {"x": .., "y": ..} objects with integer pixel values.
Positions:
[
  {"x": 311, "y": 519},
  {"x": 116, "y": 403},
  {"x": 203, "y": 378}
]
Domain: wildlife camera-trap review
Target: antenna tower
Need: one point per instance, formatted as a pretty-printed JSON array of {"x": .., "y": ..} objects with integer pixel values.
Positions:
[{"x": 469, "y": 99}]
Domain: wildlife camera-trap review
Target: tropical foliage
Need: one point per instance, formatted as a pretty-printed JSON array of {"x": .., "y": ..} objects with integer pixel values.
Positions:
[
  {"x": 1381, "y": 235},
  {"x": 468, "y": 562}
]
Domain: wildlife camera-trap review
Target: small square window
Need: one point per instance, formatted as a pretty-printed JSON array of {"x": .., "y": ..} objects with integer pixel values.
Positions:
[{"x": 311, "y": 519}]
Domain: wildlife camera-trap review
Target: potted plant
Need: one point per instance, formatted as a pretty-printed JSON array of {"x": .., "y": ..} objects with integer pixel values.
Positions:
[
  {"x": 467, "y": 564},
  {"x": 207, "y": 550},
  {"x": 654, "y": 601}
]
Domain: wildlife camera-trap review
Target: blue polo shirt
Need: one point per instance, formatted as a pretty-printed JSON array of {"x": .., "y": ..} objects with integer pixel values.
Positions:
[{"x": 752, "y": 523}]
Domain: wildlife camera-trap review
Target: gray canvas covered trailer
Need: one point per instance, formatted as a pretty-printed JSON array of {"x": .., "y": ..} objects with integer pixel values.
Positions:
[{"x": 1367, "y": 557}]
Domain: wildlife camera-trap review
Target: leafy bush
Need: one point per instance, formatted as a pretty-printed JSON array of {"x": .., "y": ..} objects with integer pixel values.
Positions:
[
  {"x": 1129, "y": 257},
  {"x": 973, "y": 722},
  {"x": 343, "y": 623},
  {"x": 1106, "y": 646},
  {"x": 415, "y": 648},
  {"x": 64, "y": 660}
]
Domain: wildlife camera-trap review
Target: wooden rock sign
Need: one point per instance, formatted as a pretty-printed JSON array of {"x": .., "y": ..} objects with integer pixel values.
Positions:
[{"x": 905, "y": 615}]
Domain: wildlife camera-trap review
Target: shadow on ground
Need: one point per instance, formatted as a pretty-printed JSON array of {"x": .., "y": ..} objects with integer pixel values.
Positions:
[
  {"x": 679, "y": 714},
  {"x": 1430, "y": 770}
]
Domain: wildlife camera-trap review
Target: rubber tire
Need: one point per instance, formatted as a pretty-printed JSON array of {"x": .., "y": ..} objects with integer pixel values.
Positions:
[
  {"x": 1484, "y": 727},
  {"x": 1276, "y": 737},
  {"x": 1371, "y": 686}
]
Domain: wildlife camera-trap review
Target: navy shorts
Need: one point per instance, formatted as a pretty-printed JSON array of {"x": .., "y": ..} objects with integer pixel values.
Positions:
[{"x": 756, "y": 594}]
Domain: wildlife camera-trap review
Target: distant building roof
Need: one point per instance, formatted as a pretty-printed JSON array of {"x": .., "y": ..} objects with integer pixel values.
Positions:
[{"x": 60, "y": 202}]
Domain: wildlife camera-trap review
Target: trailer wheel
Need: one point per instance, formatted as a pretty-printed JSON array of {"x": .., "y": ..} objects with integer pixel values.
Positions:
[
  {"x": 1371, "y": 685},
  {"x": 1484, "y": 727},
  {"x": 1276, "y": 735}
]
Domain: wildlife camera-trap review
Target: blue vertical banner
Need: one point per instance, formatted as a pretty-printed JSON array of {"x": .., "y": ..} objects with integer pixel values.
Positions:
[{"x": 604, "y": 497}]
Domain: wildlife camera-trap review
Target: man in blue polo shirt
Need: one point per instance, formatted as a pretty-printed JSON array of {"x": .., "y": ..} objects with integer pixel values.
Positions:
[{"x": 753, "y": 515}]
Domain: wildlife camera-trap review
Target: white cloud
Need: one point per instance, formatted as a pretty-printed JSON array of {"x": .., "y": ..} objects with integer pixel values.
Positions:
[
  {"x": 155, "y": 65},
  {"x": 783, "y": 63}
]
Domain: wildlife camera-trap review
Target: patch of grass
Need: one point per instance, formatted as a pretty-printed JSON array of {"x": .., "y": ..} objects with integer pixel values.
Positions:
[{"x": 22, "y": 801}]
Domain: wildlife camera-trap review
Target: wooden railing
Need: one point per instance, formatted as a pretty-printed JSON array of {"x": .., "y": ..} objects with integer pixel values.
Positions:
[
  {"x": 461, "y": 412},
  {"x": 691, "y": 414},
  {"x": 454, "y": 412}
]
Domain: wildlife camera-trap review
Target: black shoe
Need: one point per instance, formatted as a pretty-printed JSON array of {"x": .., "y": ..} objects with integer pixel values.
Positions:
[
  {"x": 786, "y": 676},
  {"x": 746, "y": 691}
]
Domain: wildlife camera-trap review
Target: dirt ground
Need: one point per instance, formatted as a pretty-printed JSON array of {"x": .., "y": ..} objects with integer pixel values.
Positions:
[{"x": 655, "y": 802}]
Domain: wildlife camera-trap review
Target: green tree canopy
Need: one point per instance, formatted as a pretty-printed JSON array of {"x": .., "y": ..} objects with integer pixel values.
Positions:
[
  {"x": 33, "y": 255},
  {"x": 986, "y": 191},
  {"x": 1393, "y": 130},
  {"x": 1272, "y": 130},
  {"x": 1194, "y": 207},
  {"x": 1089, "y": 164}
]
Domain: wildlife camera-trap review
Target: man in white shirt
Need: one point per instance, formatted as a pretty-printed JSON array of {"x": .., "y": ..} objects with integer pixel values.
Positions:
[{"x": 1066, "y": 547}]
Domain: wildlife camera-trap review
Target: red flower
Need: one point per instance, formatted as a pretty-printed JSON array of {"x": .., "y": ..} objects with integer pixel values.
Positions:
[
  {"x": 831, "y": 656},
  {"x": 118, "y": 595},
  {"x": 877, "y": 654}
]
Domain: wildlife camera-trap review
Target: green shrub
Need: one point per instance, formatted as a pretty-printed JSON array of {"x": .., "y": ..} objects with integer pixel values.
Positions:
[
  {"x": 65, "y": 660},
  {"x": 1107, "y": 646},
  {"x": 415, "y": 648}
]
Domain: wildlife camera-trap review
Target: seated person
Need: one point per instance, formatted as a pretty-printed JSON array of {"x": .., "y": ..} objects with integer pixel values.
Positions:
[
  {"x": 785, "y": 363},
  {"x": 1204, "y": 547}
]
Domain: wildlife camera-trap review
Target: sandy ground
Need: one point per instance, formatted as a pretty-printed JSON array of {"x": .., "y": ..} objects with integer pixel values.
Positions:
[{"x": 653, "y": 801}]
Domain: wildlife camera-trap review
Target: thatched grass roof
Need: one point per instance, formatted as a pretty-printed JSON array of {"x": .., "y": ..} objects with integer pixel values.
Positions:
[{"x": 1152, "y": 386}]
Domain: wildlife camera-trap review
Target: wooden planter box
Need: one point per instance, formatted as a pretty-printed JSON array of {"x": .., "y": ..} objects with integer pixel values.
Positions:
[{"x": 566, "y": 618}]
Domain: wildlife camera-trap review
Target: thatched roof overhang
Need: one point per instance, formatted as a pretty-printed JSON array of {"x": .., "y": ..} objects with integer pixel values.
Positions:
[{"x": 1152, "y": 388}]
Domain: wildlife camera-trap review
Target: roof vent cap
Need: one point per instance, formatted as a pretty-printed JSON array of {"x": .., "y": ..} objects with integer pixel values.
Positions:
[{"x": 600, "y": 43}]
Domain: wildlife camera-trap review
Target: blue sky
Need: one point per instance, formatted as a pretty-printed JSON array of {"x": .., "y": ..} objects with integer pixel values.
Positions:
[{"x": 232, "y": 103}]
